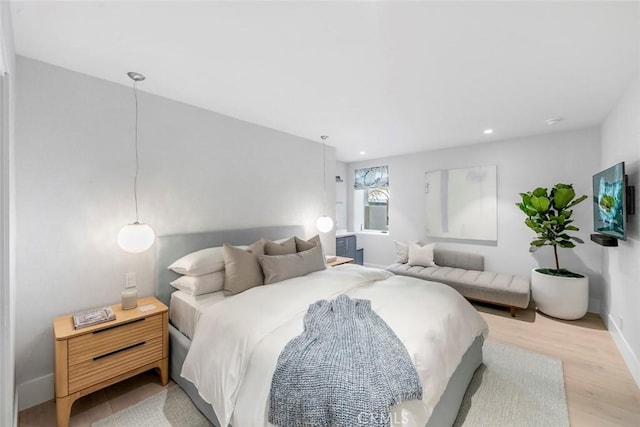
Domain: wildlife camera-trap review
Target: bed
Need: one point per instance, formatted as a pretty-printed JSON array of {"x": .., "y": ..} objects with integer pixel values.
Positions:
[{"x": 247, "y": 405}]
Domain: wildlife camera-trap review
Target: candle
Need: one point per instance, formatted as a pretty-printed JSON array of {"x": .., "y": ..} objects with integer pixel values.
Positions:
[{"x": 129, "y": 299}]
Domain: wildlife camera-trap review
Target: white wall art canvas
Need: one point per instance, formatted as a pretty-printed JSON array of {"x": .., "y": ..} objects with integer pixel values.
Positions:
[{"x": 462, "y": 203}]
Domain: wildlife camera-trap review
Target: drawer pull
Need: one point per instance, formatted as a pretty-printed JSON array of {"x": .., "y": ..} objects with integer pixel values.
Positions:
[
  {"x": 117, "y": 326},
  {"x": 119, "y": 351}
]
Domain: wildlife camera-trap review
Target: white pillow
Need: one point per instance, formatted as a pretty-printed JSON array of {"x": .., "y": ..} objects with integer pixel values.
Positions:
[
  {"x": 402, "y": 252},
  {"x": 421, "y": 255},
  {"x": 198, "y": 285},
  {"x": 201, "y": 262}
]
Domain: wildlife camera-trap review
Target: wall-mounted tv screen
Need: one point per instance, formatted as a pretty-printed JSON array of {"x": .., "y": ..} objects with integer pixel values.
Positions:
[{"x": 609, "y": 202}]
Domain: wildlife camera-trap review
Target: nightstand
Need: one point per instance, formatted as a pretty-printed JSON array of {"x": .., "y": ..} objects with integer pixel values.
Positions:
[
  {"x": 98, "y": 356},
  {"x": 339, "y": 261}
]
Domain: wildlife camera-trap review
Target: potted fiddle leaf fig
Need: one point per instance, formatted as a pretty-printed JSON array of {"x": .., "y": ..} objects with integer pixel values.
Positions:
[{"x": 556, "y": 291}]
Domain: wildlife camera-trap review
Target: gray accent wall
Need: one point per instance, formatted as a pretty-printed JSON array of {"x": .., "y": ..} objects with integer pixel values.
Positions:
[
  {"x": 621, "y": 265},
  {"x": 522, "y": 164},
  {"x": 199, "y": 171}
]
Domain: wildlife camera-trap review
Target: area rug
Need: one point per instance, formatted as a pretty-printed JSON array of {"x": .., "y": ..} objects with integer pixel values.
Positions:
[
  {"x": 514, "y": 387},
  {"x": 169, "y": 408}
]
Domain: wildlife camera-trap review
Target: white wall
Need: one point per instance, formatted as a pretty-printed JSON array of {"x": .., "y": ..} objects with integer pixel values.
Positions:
[
  {"x": 621, "y": 265},
  {"x": 342, "y": 221},
  {"x": 523, "y": 164},
  {"x": 75, "y": 161},
  {"x": 8, "y": 397}
]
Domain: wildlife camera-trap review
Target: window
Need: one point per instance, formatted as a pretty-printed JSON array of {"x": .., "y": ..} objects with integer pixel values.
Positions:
[{"x": 371, "y": 198}]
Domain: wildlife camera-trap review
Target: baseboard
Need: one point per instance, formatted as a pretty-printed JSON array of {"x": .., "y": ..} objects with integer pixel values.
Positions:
[
  {"x": 630, "y": 358},
  {"x": 35, "y": 391}
]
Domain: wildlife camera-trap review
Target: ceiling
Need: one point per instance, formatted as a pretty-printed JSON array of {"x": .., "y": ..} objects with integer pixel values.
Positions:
[{"x": 386, "y": 78}]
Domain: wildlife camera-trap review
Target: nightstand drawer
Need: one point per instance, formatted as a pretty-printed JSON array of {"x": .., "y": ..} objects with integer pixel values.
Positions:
[
  {"x": 99, "y": 343},
  {"x": 113, "y": 363}
]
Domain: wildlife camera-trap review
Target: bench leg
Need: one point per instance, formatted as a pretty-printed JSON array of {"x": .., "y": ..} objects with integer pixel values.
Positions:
[{"x": 512, "y": 311}]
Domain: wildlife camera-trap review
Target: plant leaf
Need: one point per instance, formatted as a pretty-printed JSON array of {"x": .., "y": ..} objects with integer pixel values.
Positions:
[
  {"x": 539, "y": 192},
  {"x": 540, "y": 204},
  {"x": 576, "y": 201},
  {"x": 566, "y": 244},
  {"x": 562, "y": 195}
]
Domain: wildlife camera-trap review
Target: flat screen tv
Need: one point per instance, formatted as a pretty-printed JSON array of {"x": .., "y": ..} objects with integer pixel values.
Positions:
[{"x": 609, "y": 202}]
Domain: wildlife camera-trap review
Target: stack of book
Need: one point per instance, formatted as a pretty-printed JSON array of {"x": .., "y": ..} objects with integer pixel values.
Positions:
[{"x": 93, "y": 316}]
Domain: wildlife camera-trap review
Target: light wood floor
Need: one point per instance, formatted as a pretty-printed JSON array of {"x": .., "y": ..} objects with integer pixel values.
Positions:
[{"x": 600, "y": 389}]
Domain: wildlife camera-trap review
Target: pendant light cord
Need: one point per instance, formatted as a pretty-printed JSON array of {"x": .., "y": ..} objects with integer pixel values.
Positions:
[
  {"x": 324, "y": 172},
  {"x": 135, "y": 178}
]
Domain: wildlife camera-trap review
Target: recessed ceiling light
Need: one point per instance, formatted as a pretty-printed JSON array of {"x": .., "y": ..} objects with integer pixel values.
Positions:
[
  {"x": 488, "y": 131},
  {"x": 553, "y": 121},
  {"x": 362, "y": 153}
]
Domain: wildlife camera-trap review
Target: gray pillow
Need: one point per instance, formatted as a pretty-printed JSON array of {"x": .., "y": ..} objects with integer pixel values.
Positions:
[
  {"x": 283, "y": 248},
  {"x": 305, "y": 245},
  {"x": 280, "y": 267},
  {"x": 241, "y": 267}
]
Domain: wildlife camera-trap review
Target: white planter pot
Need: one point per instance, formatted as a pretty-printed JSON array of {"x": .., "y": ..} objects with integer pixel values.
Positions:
[{"x": 562, "y": 297}]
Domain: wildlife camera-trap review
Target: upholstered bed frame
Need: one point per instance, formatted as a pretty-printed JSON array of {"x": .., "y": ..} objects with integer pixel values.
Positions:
[{"x": 171, "y": 247}]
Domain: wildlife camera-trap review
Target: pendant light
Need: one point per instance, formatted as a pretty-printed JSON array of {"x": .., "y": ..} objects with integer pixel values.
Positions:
[
  {"x": 324, "y": 223},
  {"x": 136, "y": 237}
]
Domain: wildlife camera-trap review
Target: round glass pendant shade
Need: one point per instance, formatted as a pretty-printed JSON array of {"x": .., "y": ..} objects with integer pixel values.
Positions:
[
  {"x": 136, "y": 237},
  {"x": 324, "y": 224}
]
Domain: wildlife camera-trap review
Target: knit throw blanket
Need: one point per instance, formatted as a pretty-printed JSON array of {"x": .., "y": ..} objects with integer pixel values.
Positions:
[{"x": 346, "y": 369}]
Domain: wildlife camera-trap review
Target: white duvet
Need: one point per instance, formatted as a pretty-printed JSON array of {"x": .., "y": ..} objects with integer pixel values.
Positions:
[{"x": 237, "y": 342}]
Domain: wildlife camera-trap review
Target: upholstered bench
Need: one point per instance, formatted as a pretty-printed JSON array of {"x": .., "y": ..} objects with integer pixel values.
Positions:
[{"x": 465, "y": 273}]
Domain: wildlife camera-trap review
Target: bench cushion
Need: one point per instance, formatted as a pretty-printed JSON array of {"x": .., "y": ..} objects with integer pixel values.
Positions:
[
  {"x": 499, "y": 288},
  {"x": 457, "y": 259}
]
